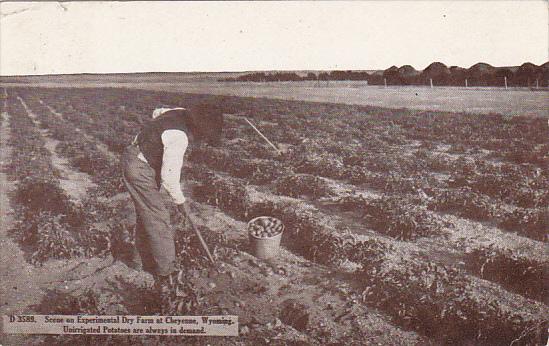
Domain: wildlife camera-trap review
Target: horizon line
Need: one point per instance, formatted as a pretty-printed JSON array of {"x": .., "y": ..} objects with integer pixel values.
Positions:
[{"x": 248, "y": 71}]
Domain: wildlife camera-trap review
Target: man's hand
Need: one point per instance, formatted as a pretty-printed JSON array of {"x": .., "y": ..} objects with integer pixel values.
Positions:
[{"x": 183, "y": 210}]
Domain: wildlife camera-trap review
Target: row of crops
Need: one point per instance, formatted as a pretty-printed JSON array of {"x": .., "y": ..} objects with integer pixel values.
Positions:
[
  {"x": 49, "y": 223},
  {"x": 93, "y": 226},
  {"x": 477, "y": 207},
  {"x": 482, "y": 186},
  {"x": 395, "y": 194}
]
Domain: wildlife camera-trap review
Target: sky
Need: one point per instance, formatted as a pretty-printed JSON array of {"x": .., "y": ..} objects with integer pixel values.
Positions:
[{"x": 110, "y": 37}]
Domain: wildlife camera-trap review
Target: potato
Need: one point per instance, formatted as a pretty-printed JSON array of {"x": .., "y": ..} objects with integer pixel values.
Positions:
[{"x": 265, "y": 227}]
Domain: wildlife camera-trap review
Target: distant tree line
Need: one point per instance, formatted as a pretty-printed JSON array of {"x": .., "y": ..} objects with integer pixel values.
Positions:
[{"x": 481, "y": 74}]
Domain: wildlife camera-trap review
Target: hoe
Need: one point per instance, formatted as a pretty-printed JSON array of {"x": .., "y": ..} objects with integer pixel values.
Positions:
[
  {"x": 198, "y": 234},
  {"x": 189, "y": 220}
]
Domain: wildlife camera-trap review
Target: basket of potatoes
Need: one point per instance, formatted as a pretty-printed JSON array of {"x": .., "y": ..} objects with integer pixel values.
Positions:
[{"x": 265, "y": 233}]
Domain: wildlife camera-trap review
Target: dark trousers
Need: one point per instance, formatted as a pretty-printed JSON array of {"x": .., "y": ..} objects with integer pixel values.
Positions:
[{"x": 154, "y": 236}]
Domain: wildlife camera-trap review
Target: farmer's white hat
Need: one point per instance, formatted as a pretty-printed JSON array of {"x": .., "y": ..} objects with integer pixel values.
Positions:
[{"x": 161, "y": 110}]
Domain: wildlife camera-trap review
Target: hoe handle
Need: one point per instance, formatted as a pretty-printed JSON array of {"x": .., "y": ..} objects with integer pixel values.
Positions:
[
  {"x": 262, "y": 136},
  {"x": 198, "y": 234}
]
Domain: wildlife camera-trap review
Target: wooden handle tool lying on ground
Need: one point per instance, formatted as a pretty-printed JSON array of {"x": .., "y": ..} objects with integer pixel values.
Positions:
[
  {"x": 198, "y": 234},
  {"x": 263, "y": 136}
]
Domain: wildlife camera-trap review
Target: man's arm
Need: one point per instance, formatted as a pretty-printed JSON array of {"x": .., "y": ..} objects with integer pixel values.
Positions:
[{"x": 175, "y": 144}]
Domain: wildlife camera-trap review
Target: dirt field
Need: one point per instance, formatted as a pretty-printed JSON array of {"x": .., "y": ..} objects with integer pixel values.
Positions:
[
  {"x": 515, "y": 101},
  {"x": 471, "y": 100},
  {"x": 402, "y": 227}
]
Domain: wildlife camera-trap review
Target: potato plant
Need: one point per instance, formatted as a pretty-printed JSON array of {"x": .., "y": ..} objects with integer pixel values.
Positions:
[
  {"x": 532, "y": 223},
  {"x": 440, "y": 302},
  {"x": 517, "y": 273},
  {"x": 523, "y": 186},
  {"x": 302, "y": 185},
  {"x": 393, "y": 217},
  {"x": 321, "y": 164},
  {"x": 465, "y": 203}
]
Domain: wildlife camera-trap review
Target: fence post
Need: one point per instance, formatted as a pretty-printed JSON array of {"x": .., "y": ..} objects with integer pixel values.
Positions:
[
  {"x": 385, "y": 82},
  {"x": 537, "y": 84},
  {"x": 431, "y": 82},
  {"x": 505, "y": 79},
  {"x": 466, "y": 83}
]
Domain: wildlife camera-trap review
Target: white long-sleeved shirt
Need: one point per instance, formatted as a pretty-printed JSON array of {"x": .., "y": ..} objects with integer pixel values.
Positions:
[{"x": 175, "y": 144}]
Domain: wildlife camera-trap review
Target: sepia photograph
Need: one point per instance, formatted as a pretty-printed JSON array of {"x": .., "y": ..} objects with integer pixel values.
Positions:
[{"x": 274, "y": 173}]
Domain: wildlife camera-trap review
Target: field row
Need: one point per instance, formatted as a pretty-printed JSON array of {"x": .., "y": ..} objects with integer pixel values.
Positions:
[
  {"x": 524, "y": 136},
  {"x": 471, "y": 180},
  {"x": 387, "y": 278},
  {"x": 383, "y": 214},
  {"x": 60, "y": 227},
  {"x": 388, "y": 271},
  {"x": 49, "y": 223},
  {"x": 189, "y": 254},
  {"x": 362, "y": 140}
]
